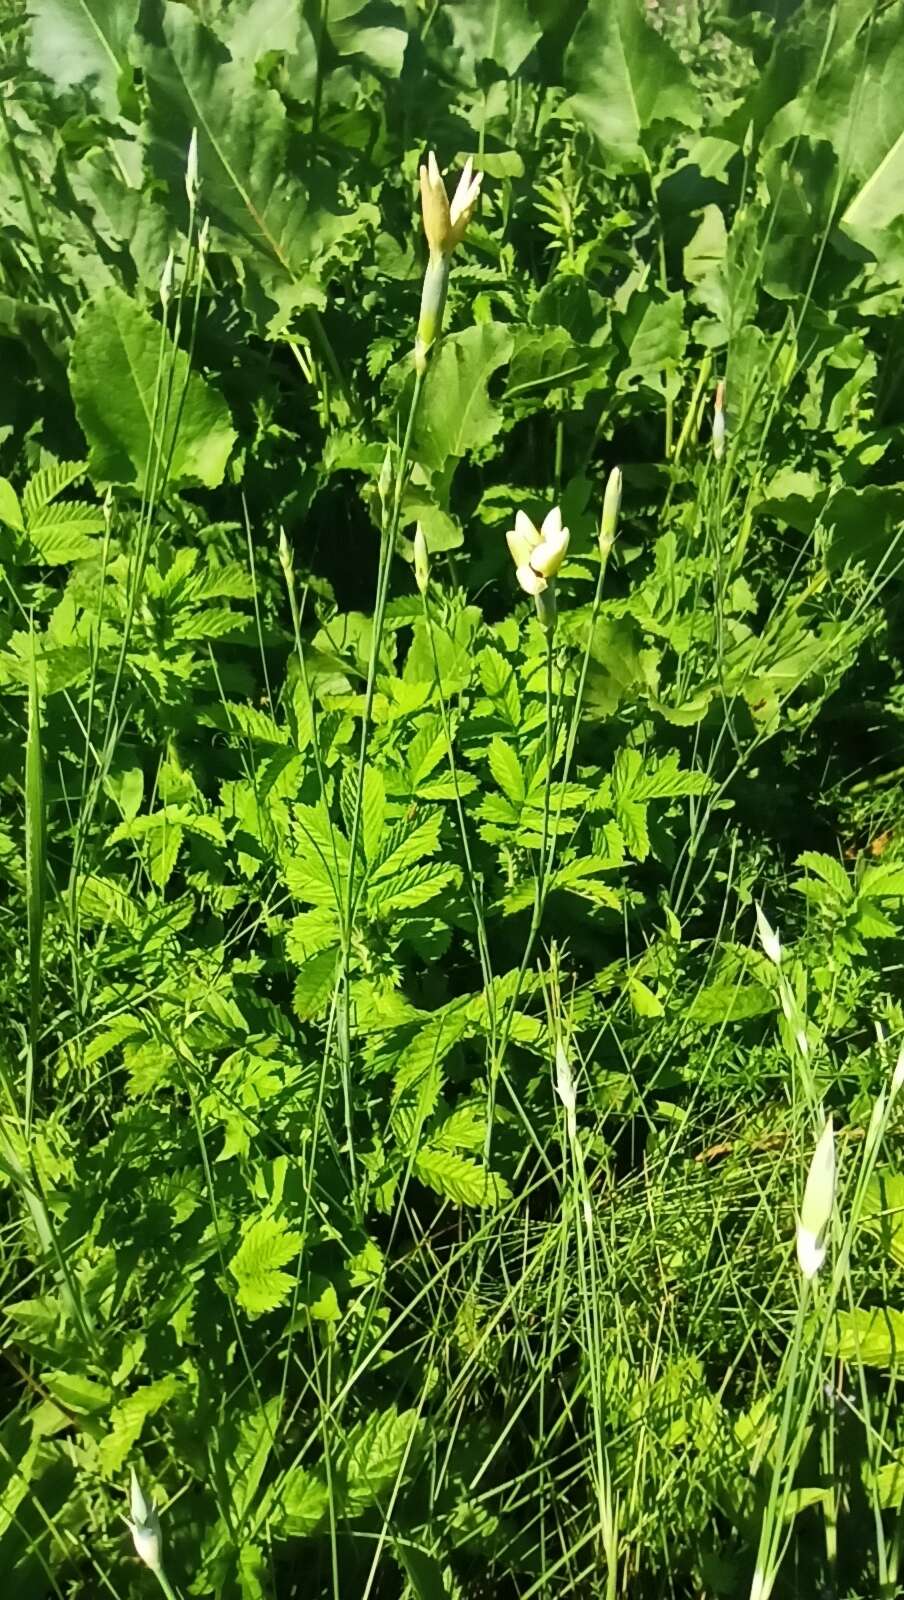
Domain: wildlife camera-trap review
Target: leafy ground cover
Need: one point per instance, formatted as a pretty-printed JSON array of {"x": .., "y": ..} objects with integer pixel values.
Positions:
[{"x": 442, "y": 974}]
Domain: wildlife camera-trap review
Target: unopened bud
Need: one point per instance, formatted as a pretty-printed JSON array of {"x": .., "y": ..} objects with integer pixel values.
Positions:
[
  {"x": 719, "y": 422},
  {"x": 897, "y": 1077},
  {"x": 421, "y": 560},
  {"x": 817, "y": 1205},
  {"x": 611, "y": 508},
  {"x": 285, "y": 554},
  {"x": 191, "y": 168},
  {"x": 145, "y": 1526},
  {"x": 166, "y": 280},
  {"x": 769, "y": 939},
  {"x": 384, "y": 482}
]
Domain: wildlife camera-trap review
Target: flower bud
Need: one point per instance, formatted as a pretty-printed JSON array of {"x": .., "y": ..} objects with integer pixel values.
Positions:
[
  {"x": 818, "y": 1203},
  {"x": 719, "y": 422},
  {"x": 769, "y": 939},
  {"x": 611, "y": 508},
  {"x": 565, "y": 1089},
  {"x": 191, "y": 168},
  {"x": 285, "y": 554},
  {"x": 166, "y": 280},
  {"x": 445, "y": 225},
  {"x": 421, "y": 560},
  {"x": 144, "y": 1526}
]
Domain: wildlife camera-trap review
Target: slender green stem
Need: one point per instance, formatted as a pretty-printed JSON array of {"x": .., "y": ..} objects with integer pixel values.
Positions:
[{"x": 388, "y": 536}]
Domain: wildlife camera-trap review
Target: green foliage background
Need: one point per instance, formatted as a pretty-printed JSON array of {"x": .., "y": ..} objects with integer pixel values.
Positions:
[{"x": 300, "y": 895}]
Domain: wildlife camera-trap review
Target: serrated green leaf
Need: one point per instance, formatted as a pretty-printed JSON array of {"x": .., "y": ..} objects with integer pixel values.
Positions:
[
  {"x": 409, "y": 888},
  {"x": 377, "y": 1452},
  {"x": 314, "y": 984},
  {"x": 507, "y": 770},
  {"x": 268, "y": 1244},
  {"x": 457, "y": 1178},
  {"x": 127, "y": 1420}
]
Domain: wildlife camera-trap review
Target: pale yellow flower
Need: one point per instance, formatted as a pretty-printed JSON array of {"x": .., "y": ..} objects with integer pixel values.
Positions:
[{"x": 445, "y": 224}]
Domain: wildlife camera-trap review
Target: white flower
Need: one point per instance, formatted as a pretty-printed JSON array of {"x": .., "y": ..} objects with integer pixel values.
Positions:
[
  {"x": 537, "y": 553},
  {"x": 445, "y": 225}
]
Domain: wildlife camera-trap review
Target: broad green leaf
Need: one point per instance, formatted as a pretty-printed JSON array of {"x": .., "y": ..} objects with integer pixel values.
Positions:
[
  {"x": 884, "y": 1209},
  {"x": 372, "y": 29},
  {"x": 456, "y": 412},
  {"x": 409, "y": 888},
  {"x": 404, "y": 846},
  {"x": 501, "y": 31},
  {"x": 114, "y": 374},
  {"x": 253, "y": 196},
  {"x": 858, "y": 108},
  {"x": 874, "y": 1336},
  {"x": 63, "y": 532},
  {"x": 83, "y": 43},
  {"x": 627, "y": 79},
  {"x": 303, "y": 1503},
  {"x": 268, "y": 1244}
]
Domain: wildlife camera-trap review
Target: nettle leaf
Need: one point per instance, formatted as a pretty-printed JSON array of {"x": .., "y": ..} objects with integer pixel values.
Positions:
[
  {"x": 627, "y": 79},
  {"x": 50, "y": 482},
  {"x": 458, "y": 1178},
  {"x": 85, "y": 43},
  {"x": 114, "y": 374},
  {"x": 268, "y": 1244},
  {"x": 127, "y": 1420},
  {"x": 376, "y": 1455},
  {"x": 830, "y": 873},
  {"x": 456, "y": 413}
]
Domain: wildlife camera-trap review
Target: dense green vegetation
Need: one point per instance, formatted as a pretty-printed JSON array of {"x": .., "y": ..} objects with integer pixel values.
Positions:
[{"x": 433, "y": 962}]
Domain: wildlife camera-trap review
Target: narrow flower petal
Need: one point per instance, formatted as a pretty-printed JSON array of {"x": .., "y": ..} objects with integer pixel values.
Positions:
[
  {"x": 519, "y": 547},
  {"x": 525, "y": 528},
  {"x": 551, "y": 526},
  {"x": 549, "y": 554},
  {"x": 530, "y": 581},
  {"x": 811, "y": 1252}
]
